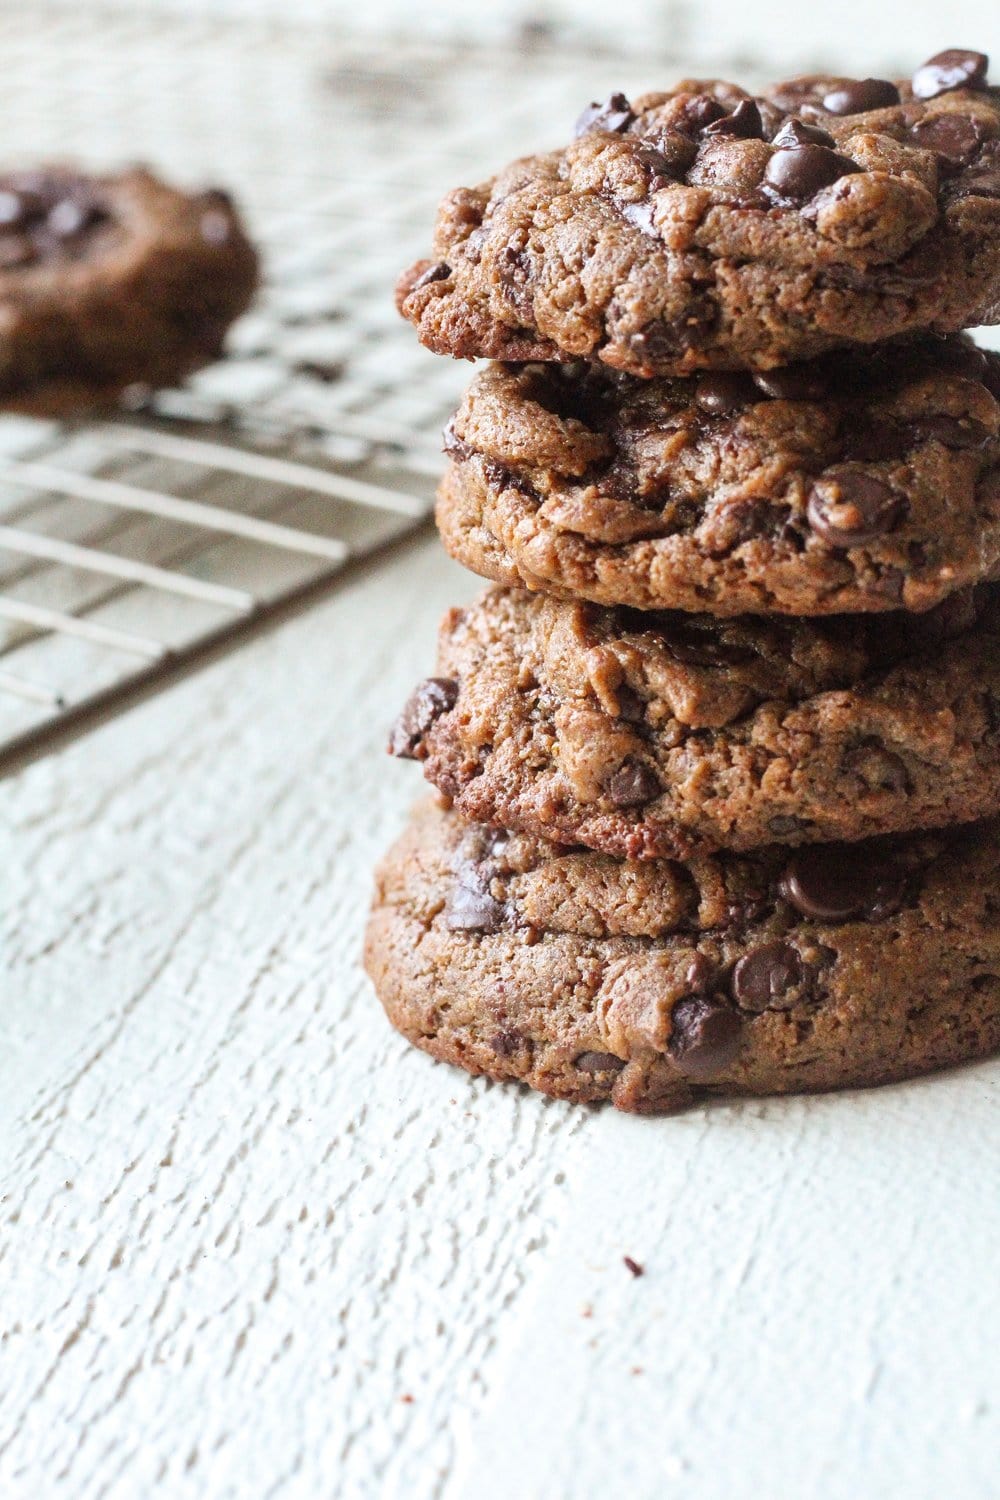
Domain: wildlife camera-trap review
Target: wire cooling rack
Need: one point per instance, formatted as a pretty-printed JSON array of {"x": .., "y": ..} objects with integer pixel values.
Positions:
[{"x": 129, "y": 544}]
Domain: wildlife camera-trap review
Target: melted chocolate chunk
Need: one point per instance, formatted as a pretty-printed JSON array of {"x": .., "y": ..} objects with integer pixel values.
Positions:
[
  {"x": 981, "y": 178},
  {"x": 856, "y": 96},
  {"x": 613, "y": 114},
  {"x": 440, "y": 272},
  {"x": 470, "y": 907},
  {"x": 428, "y": 701},
  {"x": 832, "y": 883},
  {"x": 795, "y": 133},
  {"x": 666, "y": 158},
  {"x": 598, "y": 1062},
  {"x": 955, "y": 137},
  {"x": 767, "y": 977},
  {"x": 641, "y": 214},
  {"x": 848, "y": 507},
  {"x": 872, "y": 441},
  {"x": 744, "y": 123},
  {"x": 706, "y": 1036},
  {"x": 797, "y": 173},
  {"x": 505, "y": 478},
  {"x": 952, "y": 432},
  {"x": 514, "y": 268},
  {"x": 693, "y": 644},
  {"x": 633, "y": 784},
  {"x": 952, "y": 69},
  {"x": 879, "y": 769}
]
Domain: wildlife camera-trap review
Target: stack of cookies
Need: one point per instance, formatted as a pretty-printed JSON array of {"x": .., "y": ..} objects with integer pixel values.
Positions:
[{"x": 719, "y": 753}]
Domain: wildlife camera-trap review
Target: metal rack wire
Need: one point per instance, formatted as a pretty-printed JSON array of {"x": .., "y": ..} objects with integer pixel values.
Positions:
[{"x": 129, "y": 543}]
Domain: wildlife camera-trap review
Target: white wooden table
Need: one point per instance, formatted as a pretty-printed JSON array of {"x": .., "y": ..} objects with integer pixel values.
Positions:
[{"x": 252, "y": 1245}]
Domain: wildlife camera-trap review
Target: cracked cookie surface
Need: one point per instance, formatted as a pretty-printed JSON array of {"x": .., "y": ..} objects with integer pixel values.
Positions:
[
  {"x": 706, "y": 228},
  {"x": 861, "y": 482},
  {"x": 656, "y": 984},
  {"x": 112, "y": 281},
  {"x": 648, "y": 734}
]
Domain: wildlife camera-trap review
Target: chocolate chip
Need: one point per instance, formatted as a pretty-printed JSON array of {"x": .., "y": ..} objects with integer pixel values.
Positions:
[
  {"x": 633, "y": 784},
  {"x": 796, "y": 133},
  {"x": 428, "y": 701},
  {"x": 662, "y": 341},
  {"x": 700, "y": 974},
  {"x": 848, "y": 507},
  {"x": 706, "y": 1036},
  {"x": 506, "y": 1042},
  {"x": 470, "y": 908},
  {"x": 633, "y": 1266},
  {"x": 723, "y": 391},
  {"x": 952, "y": 69},
  {"x": 952, "y": 432},
  {"x": 613, "y": 114},
  {"x": 799, "y": 172},
  {"x": 855, "y": 96},
  {"x": 453, "y": 445},
  {"x": 763, "y": 977},
  {"x": 744, "y": 123},
  {"x": 792, "y": 383},
  {"x": 440, "y": 272},
  {"x": 830, "y": 883},
  {"x": 955, "y": 137},
  {"x": 598, "y": 1062}
]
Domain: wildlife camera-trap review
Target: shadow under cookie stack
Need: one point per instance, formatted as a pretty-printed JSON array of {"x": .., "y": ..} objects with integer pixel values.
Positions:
[{"x": 719, "y": 752}]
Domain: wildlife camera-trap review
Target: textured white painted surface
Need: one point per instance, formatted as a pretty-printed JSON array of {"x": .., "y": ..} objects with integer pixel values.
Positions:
[{"x": 250, "y": 1245}]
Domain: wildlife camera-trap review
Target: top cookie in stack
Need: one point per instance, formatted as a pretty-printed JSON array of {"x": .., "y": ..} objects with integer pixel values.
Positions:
[
  {"x": 706, "y": 229},
  {"x": 739, "y": 476},
  {"x": 788, "y": 235}
]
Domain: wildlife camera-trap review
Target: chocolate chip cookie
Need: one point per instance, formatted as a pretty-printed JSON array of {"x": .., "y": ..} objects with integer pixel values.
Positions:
[
  {"x": 111, "y": 281},
  {"x": 645, "y": 734},
  {"x": 656, "y": 984},
  {"x": 866, "y": 481},
  {"x": 705, "y": 228}
]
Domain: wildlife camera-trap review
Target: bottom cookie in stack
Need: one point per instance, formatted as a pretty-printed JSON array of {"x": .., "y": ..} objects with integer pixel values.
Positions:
[{"x": 654, "y": 983}]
